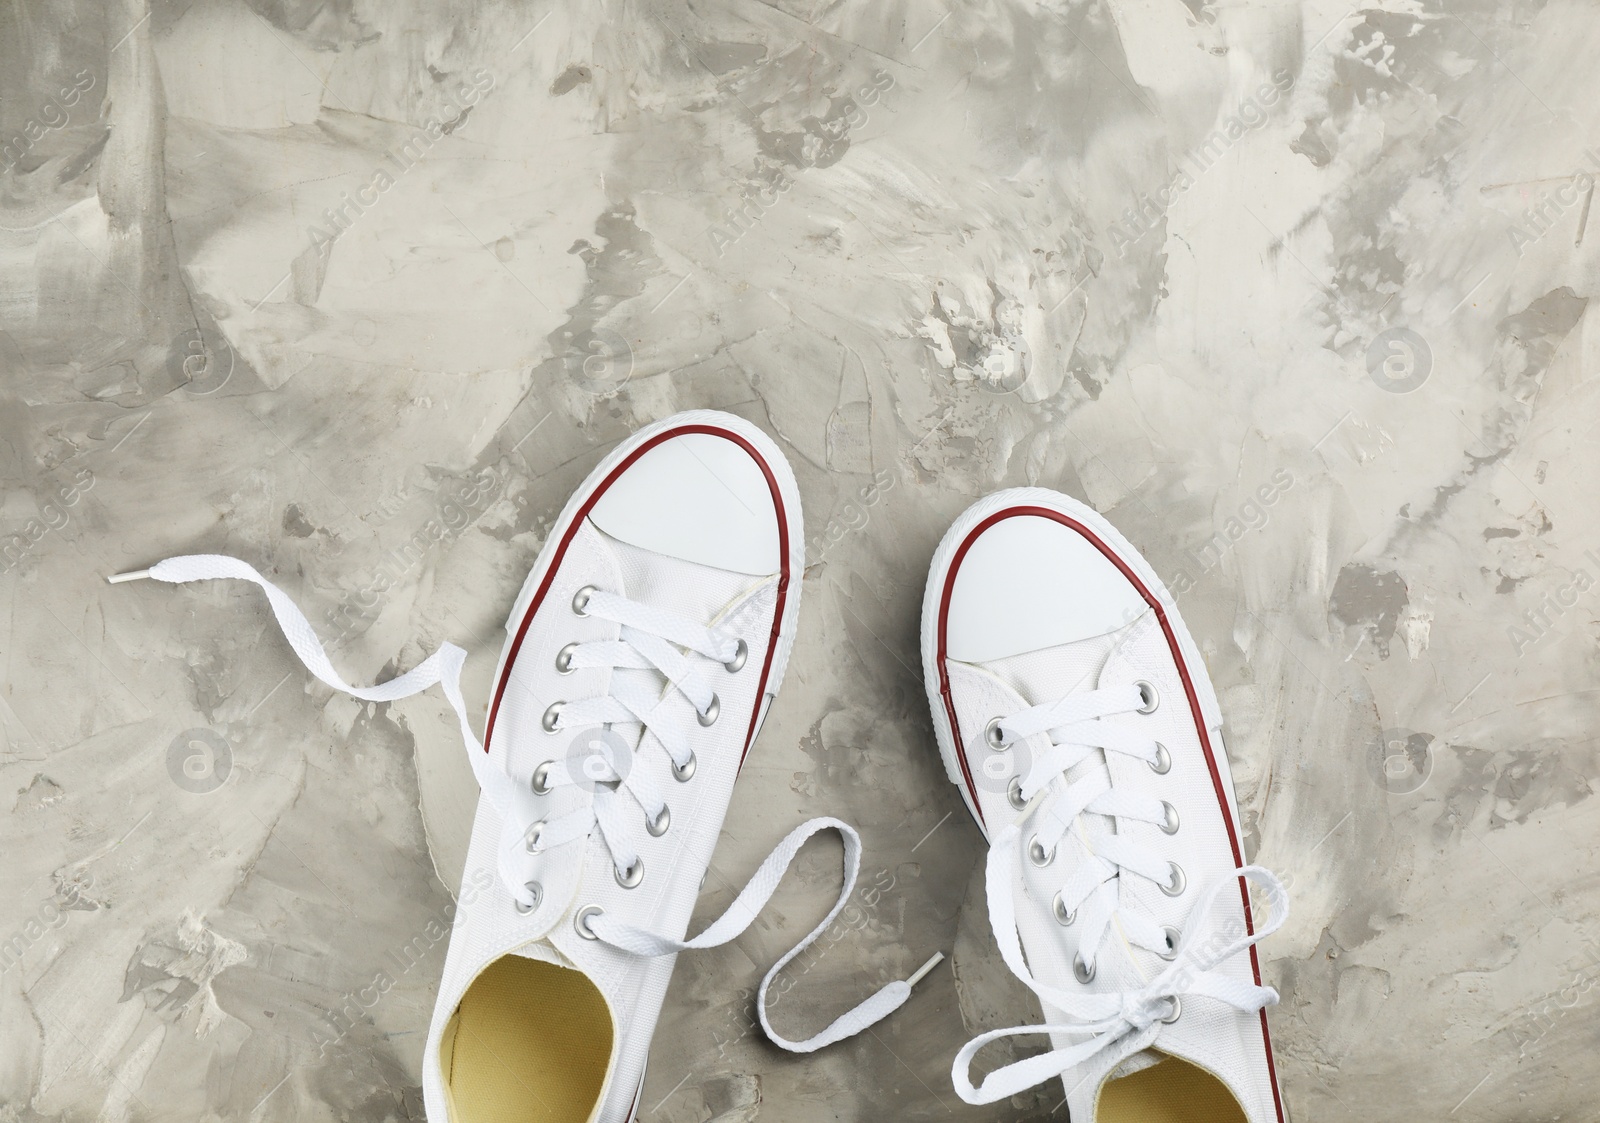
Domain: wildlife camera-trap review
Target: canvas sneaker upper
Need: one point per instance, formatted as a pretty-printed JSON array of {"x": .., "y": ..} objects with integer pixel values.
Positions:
[
  {"x": 1074, "y": 713},
  {"x": 641, "y": 657}
]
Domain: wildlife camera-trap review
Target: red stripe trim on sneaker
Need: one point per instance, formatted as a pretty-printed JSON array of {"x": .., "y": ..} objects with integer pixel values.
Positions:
[{"x": 1188, "y": 688}]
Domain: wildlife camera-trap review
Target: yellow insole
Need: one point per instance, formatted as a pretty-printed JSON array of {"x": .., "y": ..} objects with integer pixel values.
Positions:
[
  {"x": 1173, "y": 1091},
  {"x": 529, "y": 1043}
]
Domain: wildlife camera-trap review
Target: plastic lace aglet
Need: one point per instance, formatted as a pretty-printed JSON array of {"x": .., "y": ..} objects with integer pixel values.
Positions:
[
  {"x": 922, "y": 971},
  {"x": 135, "y": 575}
]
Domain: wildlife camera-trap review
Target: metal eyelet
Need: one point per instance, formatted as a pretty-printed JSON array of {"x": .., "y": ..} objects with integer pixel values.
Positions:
[
  {"x": 737, "y": 662},
  {"x": 1162, "y": 764},
  {"x": 1083, "y": 972},
  {"x": 580, "y": 922},
  {"x": 552, "y": 717},
  {"x": 538, "y": 895},
  {"x": 1014, "y": 794},
  {"x": 580, "y": 599},
  {"x": 1174, "y": 885},
  {"x": 1177, "y": 1011},
  {"x": 541, "y": 778},
  {"x": 995, "y": 738},
  {"x": 1064, "y": 916},
  {"x": 630, "y": 878},
  {"x": 530, "y": 840},
  {"x": 1151, "y": 698},
  {"x": 1169, "y": 825},
  {"x": 1037, "y": 854},
  {"x": 681, "y": 773},
  {"x": 1173, "y": 936},
  {"x": 709, "y": 718},
  {"x": 658, "y": 826},
  {"x": 564, "y": 659}
]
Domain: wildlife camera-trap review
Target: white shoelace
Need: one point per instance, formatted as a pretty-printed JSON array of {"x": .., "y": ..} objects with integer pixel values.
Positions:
[
  {"x": 1119, "y": 1024},
  {"x": 649, "y": 640}
]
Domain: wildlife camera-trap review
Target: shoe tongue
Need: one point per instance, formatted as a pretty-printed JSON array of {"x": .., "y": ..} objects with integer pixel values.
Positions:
[
  {"x": 1046, "y": 676},
  {"x": 700, "y": 592}
]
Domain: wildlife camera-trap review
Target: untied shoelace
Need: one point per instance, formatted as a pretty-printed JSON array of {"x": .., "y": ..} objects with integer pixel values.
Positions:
[{"x": 650, "y": 638}]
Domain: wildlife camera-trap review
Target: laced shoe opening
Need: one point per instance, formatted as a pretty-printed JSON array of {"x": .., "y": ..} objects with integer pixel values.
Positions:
[
  {"x": 1173, "y": 1091},
  {"x": 530, "y": 1043}
]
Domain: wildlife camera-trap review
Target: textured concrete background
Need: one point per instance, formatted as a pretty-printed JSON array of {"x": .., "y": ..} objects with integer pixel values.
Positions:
[{"x": 1296, "y": 293}]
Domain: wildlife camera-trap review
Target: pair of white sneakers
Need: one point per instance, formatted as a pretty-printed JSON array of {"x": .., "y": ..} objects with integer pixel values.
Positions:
[{"x": 643, "y": 654}]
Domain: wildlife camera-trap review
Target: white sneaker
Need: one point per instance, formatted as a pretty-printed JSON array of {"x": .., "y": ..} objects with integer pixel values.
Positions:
[
  {"x": 643, "y": 653},
  {"x": 1074, "y": 712}
]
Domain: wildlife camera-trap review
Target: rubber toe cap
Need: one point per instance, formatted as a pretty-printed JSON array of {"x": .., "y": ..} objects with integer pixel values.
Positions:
[
  {"x": 700, "y": 497},
  {"x": 1030, "y": 582}
]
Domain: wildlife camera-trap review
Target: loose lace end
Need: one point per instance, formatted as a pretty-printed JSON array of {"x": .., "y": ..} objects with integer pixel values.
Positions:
[
  {"x": 922, "y": 972},
  {"x": 444, "y": 667}
]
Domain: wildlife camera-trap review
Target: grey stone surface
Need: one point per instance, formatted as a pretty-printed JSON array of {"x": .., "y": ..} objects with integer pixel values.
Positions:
[{"x": 1296, "y": 293}]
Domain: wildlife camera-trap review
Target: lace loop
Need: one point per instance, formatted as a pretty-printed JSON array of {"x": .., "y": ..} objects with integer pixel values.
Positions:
[
  {"x": 742, "y": 912},
  {"x": 1120, "y": 1024}
]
